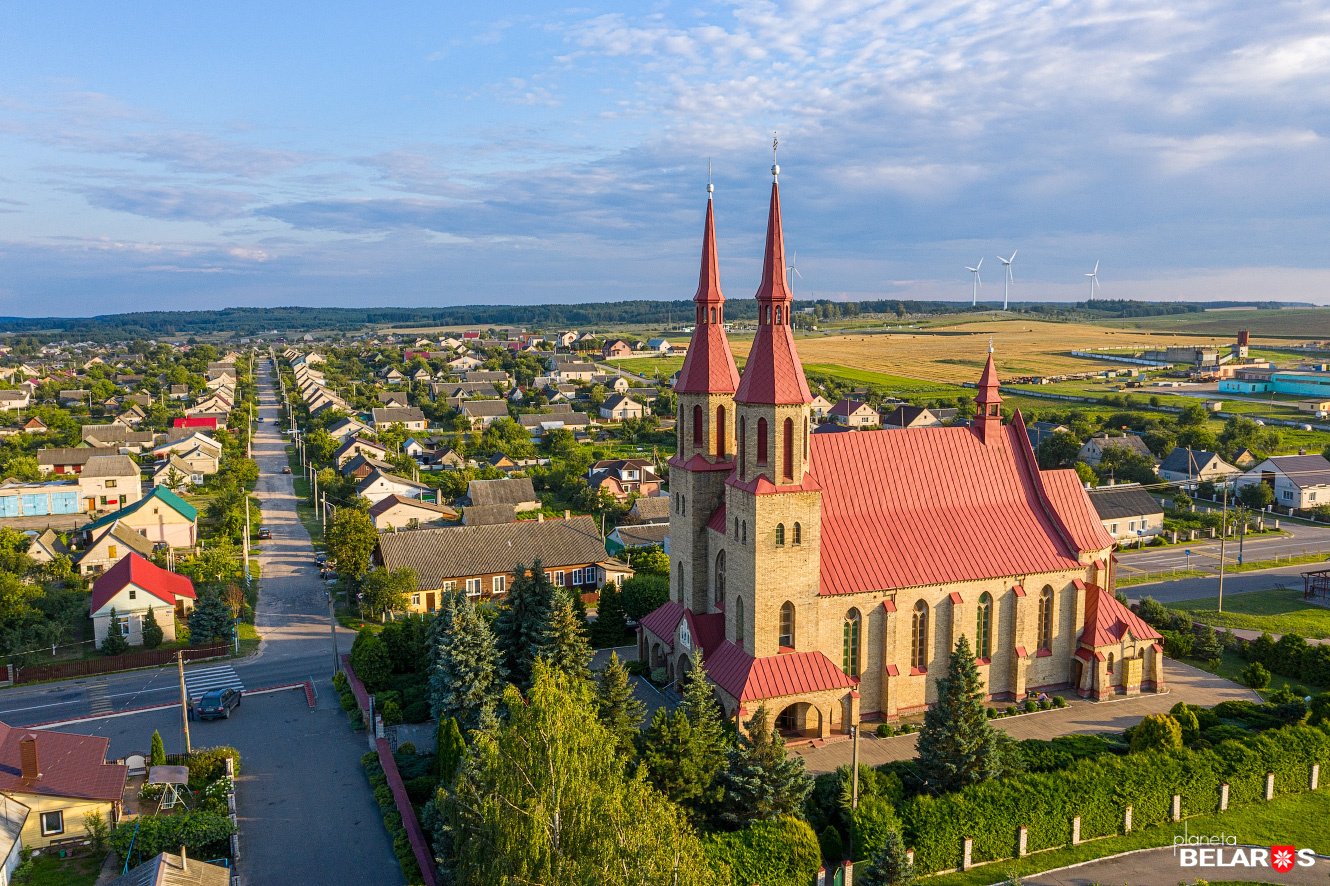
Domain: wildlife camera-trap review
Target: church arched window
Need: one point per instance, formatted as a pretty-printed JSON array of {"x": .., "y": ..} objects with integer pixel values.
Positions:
[
  {"x": 919, "y": 637},
  {"x": 743, "y": 534},
  {"x": 720, "y": 431},
  {"x": 788, "y": 450},
  {"x": 720, "y": 580},
  {"x": 983, "y": 635},
  {"x": 798, "y": 534},
  {"x": 786, "y": 638},
  {"x": 780, "y": 535},
  {"x": 1046, "y": 618},
  {"x": 739, "y": 620},
  {"x": 743, "y": 444},
  {"x": 761, "y": 441},
  {"x": 697, "y": 426},
  {"x": 850, "y": 643}
]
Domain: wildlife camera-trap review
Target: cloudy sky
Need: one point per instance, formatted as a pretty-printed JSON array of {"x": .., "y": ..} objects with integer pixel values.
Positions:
[{"x": 185, "y": 155}]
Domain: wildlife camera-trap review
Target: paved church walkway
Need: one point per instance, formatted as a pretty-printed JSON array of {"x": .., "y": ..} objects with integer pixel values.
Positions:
[{"x": 1185, "y": 683}]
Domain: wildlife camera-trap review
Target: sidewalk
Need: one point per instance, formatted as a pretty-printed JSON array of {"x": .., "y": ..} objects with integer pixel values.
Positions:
[{"x": 1185, "y": 683}]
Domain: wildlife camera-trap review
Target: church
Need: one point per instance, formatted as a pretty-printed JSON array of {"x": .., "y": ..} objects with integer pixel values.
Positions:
[{"x": 828, "y": 577}]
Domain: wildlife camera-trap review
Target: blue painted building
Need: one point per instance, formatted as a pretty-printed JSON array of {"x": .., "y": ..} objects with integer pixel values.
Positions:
[
  {"x": 39, "y": 499},
  {"x": 1303, "y": 384}
]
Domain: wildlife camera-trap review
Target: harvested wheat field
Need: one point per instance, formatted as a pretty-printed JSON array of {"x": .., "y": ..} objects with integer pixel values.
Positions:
[{"x": 955, "y": 353}]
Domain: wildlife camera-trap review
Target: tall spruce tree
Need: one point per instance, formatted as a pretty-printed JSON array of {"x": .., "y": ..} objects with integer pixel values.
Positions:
[
  {"x": 620, "y": 710},
  {"x": 565, "y": 644},
  {"x": 211, "y": 620},
  {"x": 468, "y": 676},
  {"x": 671, "y": 766},
  {"x": 114, "y": 643},
  {"x": 711, "y": 737},
  {"x": 890, "y": 866},
  {"x": 153, "y": 635},
  {"x": 611, "y": 625},
  {"x": 958, "y": 746},
  {"x": 523, "y": 622},
  {"x": 449, "y": 749},
  {"x": 761, "y": 781}
]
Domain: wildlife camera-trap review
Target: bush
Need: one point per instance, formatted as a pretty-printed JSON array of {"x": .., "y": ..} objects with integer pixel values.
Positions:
[
  {"x": 870, "y": 824},
  {"x": 1059, "y": 701},
  {"x": 884, "y": 730},
  {"x": 391, "y": 713},
  {"x": 784, "y": 852},
  {"x": 832, "y": 846},
  {"x": 1177, "y": 644},
  {"x": 1187, "y": 720},
  {"x": 1157, "y": 732},
  {"x": 1255, "y": 675},
  {"x": 421, "y": 788},
  {"x": 1153, "y": 612},
  {"x": 392, "y": 819},
  {"x": 203, "y": 834},
  {"x": 370, "y": 660},
  {"x": 209, "y": 764}
]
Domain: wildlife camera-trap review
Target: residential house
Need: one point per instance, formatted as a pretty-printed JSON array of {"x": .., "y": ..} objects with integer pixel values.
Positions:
[
  {"x": 355, "y": 446},
  {"x": 854, "y": 414},
  {"x": 1039, "y": 431},
  {"x": 161, "y": 516},
  {"x": 380, "y": 484},
  {"x": 616, "y": 348},
  {"x": 649, "y": 509},
  {"x": 819, "y": 407},
  {"x": 348, "y": 427},
  {"x": 74, "y": 397},
  {"x": 907, "y": 416},
  {"x": 1092, "y": 452},
  {"x": 208, "y": 423},
  {"x": 118, "y": 436},
  {"x": 1298, "y": 481},
  {"x": 1128, "y": 511},
  {"x": 110, "y": 482},
  {"x": 53, "y": 497},
  {"x": 392, "y": 375},
  {"x": 1184, "y": 464},
  {"x": 65, "y": 460},
  {"x": 400, "y": 512},
  {"x": 13, "y": 819},
  {"x": 574, "y": 373},
  {"x": 636, "y": 537},
  {"x": 109, "y": 545},
  {"x": 175, "y": 473},
  {"x": 622, "y": 477},
  {"x": 479, "y": 559},
  {"x": 483, "y": 413},
  {"x": 409, "y": 417},
  {"x": 361, "y": 466},
  {"x": 464, "y": 363},
  {"x": 393, "y": 398},
  {"x": 11, "y": 401},
  {"x": 35, "y": 425},
  {"x": 516, "y": 492},
  {"x": 46, "y": 546},
  {"x": 659, "y": 345},
  {"x": 618, "y": 407},
  {"x": 61, "y": 777},
  {"x": 566, "y": 339},
  {"x": 135, "y": 587}
]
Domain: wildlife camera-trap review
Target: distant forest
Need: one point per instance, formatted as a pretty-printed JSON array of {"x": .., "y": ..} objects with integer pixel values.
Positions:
[{"x": 597, "y": 315}]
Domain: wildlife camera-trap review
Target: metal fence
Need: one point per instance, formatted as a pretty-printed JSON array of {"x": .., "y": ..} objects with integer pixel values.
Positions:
[{"x": 91, "y": 666}]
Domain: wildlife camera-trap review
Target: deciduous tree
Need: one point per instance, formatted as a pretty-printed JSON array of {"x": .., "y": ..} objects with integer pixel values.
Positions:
[
  {"x": 350, "y": 539},
  {"x": 385, "y": 590}
]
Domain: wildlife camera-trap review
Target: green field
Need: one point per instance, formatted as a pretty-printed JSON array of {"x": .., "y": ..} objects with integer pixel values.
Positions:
[
  {"x": 651, "y": 367},
  {"x": 898, "y": 385},
  {"x": 1295, "y": 323},
  {"x": 1279, "y": 611},
  {"x": 1296, "y": 819}
]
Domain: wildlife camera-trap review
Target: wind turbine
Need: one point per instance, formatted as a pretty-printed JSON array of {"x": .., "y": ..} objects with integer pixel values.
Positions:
[
  {"x": 792, "y": 271},
  {"x": 977, "y": 280},
  {"x": 1094, "y": 279},
  {"x": 1007, "y": 284}
]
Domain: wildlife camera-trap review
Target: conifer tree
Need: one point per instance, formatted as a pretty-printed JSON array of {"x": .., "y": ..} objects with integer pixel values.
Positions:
[
  {"x": 467, "y": 676},
  {"x": 667, "y": 752},
  {"x": 157, "y": 751},
  {"x": 761, "y": 781},
  {"x": 958, "y": 746},
  {"x": 711, "y": 737},
  {"x": 152, "y": 632},
  {"x": 115, "y": 642},
  {"x": 565, "y": 645},
  {"x": 210, "y": 621},
  {"x": 449, "y": 748},
  {"x": 611, "y": 623},
  {"x": 890, "y": 866},
  {"x": 523, "y": 622},
  {"x": 620, "y": 710}
]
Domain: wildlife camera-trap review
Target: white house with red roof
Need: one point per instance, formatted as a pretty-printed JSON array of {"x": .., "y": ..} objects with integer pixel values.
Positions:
[
  {"x": 133, "y": 587},
  {"x": 828, "y": 577}
]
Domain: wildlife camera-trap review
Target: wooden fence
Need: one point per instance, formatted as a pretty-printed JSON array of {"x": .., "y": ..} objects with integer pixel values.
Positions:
[{"x": 108, "y": 664}]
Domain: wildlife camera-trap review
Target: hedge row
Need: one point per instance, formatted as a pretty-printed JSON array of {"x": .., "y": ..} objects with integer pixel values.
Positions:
[
  {"x": 1099, "y": 790},
  {"x": 392, "y": 819},
  {"x": 1291, "y": 656},
  {"x": 783, "y": 852}
]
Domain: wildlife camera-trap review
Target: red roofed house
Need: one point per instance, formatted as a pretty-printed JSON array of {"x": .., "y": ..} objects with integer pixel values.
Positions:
[
  {"x": 828, "y": 577},
  {"x": 195, "y": 421},
  {"x": 132, "y": 587},
  {"x": 60, "y": 777}
]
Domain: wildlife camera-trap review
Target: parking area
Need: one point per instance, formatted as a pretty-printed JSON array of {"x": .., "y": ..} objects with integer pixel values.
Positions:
[{"x": 301, "y": 792}]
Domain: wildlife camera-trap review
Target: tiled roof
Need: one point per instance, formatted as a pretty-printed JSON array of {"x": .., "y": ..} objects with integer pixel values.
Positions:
[
  {"x": 512, "y": 491},
  {"x": 142, "y": 573},
  {"x": 650, "y": 509},
  {"x": 166, "y": 869},
  {"x": 1191, "y": 461},
  {"x": 70, "y": 765},
  {"x": 1107, "y": 620},
  {"x": 643, "y": 534},
  {"x": 1127, "y": 500},
  {"x": 775, "y": 676},
  {"x": 390, "y": 501},
  {"x": 390, "y": 414},
  {"x": 938, "y": 505},
  {"x": 451, "y": 552}
]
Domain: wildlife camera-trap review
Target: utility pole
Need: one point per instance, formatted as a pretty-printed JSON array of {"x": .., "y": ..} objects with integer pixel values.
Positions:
[
  {"x": 1223, "y": 538},
  {"x": 184, "y": 697},
  {"x": 332, "y": 627},
  {"x": 323, "y": 510},
  {"x": 245, "y": 547}
]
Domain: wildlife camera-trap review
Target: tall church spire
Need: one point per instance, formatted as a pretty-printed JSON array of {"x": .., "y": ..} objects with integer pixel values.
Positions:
[
  {"x": 988, "y": 402},
  {"x": 773, "y": 373},
  {"x": 708, "y": 368}
]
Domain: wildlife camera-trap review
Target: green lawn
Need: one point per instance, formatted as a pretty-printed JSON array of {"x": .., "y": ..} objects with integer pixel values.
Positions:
[
  {"x": 1279, "y": 611},
  {"x": 48, "y": 870},
  {"x": 1230, "y": 668},
  {"x": 649, "y": 366},
  {"x": 1297, "y": 819}
]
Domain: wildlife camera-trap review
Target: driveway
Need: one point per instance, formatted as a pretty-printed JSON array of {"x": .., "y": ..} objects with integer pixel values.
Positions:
[{"x": 1185, "y": 683}]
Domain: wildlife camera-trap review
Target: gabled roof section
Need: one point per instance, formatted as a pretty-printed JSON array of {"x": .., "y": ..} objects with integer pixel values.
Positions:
[
  {"x": 71, "y": 765},
  {"x": 142, "y": 573},
  {"x": 1107, "y": 620},
  {"x": 775, "y": 676},
  {"x": 663, "y": 620},
  {"x": 160, "y": 495}
]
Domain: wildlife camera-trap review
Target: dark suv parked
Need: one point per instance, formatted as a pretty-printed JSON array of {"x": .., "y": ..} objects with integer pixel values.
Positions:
[{"x": 217, "y": 703}]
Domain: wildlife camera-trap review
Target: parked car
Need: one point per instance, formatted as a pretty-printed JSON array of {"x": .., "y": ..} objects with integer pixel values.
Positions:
[
  {"x": 286, "y": 470},
  {"x": 218, "y": 703},
  {"x": 265, "y": 533}
]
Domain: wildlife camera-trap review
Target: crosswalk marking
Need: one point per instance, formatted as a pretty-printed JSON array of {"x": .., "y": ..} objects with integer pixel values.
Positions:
[
  {"x": 201, "y": 680},
  {"x": 99, "y": 699}
]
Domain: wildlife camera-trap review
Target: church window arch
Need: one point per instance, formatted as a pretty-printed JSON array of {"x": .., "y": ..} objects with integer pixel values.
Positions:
[
  {"x": 788, "y": 447},
  {"x": 743, "y": 444},
  {"x": 850, "y": 632},
  {"x": 919, "y": 637},
  {"x": 777, "y": 316},
  {"x": 798, "y": 534},
  {"x": 720, "y": 579},
  {"x": 780, "y": 535},
  {"x": 739, "y": 620},
  {"x": 713, "y": 315},
  {"x": 762, "y": 441},
  {"x": 983, "y": 637},
  {"x": 720, "y": 431},
  {"x": 697, "y": 426},
  {"x": 786, "y": 638},
  {"x": 743, "y": 534},
  {"x": 1046, "y": 618},
  {"x": 736, "y": 527},
  {"x": 1110, "y": 664}
]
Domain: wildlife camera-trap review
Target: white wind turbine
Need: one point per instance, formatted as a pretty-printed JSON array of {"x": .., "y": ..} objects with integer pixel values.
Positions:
[
  {"x": 977, "y": 280},
  {"x": 1006, "y": 286},
  {"x": 792, "y": 271},
  {"x": 1094, "y": 280}
]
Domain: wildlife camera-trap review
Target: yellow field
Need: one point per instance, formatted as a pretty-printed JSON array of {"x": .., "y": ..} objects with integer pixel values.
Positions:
[{"x": 956, "y": 352}]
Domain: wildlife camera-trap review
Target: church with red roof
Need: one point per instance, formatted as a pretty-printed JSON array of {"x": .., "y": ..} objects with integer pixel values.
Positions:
[{"x": 828, "y": 577}]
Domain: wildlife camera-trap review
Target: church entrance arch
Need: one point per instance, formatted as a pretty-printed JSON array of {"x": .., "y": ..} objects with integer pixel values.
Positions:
[{"x": 799, "y": 720}]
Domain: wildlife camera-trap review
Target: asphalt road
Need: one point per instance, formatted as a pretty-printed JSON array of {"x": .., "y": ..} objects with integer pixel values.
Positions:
[
  {"x": 1205, "y": 554},
  {"x": 305, "y": 806}
]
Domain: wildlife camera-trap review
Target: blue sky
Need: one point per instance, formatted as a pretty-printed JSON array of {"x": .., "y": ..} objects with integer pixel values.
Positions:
[{"x": 189, "y": 156}]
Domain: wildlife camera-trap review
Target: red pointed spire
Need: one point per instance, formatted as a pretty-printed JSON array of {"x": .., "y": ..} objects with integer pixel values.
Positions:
[
  {"x": 773, "y": 373},
  {"x": 708, "y": 367},
  {"x": 988, "y": 411}
]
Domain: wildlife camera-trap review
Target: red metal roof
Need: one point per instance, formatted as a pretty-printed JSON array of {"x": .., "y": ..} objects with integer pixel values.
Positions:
[
  {"x": 133, "y": 569},
  {"x": 776, "y": 676},
  {"x": 708, "y": 367},
  {"x": 708, "y": 630},
  {"x": 1107, "y": 620},
  {"x": 70, "y": 765},
  {"x": 717, "y": 519},
  {"x": 662, "y": 621},
  {"x": 195, "y": 421},
  {"x": 937, "y": 505},
  {"x": 988, "y": 383}
]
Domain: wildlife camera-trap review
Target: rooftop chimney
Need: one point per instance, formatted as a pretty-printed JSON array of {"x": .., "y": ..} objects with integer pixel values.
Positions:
[
  {"x": 27, "y": 751},
  {"x": 567, "y": 515}
]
